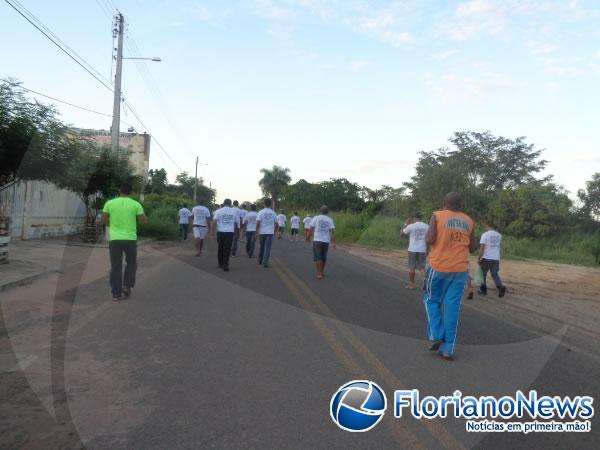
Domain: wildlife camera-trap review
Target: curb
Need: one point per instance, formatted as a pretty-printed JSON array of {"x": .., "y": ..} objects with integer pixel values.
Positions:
[{"x": 26, "y": 280}]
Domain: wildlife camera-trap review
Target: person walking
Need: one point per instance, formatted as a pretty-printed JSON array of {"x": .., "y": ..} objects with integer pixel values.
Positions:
[
  {"x": 322, "y": 230},
  {"x": 250, "y": 227},
  {"x": 236, "y": 236},
  {"x": 121, "y": 215},
  {"x": 200, "y": 225},
  {"x": 243, "y": 213},
  {"x": 281, "y": 220},
  {"x": 416, "y": 229},
  {"x": 226, "y": 224},
  {"x": 489, "y": 259},
  {"x": 184, "y": 221},
  {"x": 266, "y": 227},
  {"x": 451, "y": 238},
  {"x": 306, "y": 223},
  {"x": 295, "y": 223}
]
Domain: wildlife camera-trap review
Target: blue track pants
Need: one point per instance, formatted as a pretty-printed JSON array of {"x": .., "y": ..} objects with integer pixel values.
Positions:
[{"x": 442, "y": 299}]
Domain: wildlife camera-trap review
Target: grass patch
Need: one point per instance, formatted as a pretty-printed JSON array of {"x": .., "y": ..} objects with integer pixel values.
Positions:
[
  {"x": 162, "y": 224},
  {"x": 386, "y": 232}
]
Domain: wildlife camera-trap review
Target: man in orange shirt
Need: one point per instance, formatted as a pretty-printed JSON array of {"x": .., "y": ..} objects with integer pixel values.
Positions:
[{"x": 451, "y": 238}]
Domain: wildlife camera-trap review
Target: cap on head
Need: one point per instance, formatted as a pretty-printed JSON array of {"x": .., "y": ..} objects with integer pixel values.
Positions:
[
  {"x": 418, "y": 215},
  {"x": 324, "y": 210},
  {"x": 227, "y": 202},
  {"x": 453, "y": 201}
]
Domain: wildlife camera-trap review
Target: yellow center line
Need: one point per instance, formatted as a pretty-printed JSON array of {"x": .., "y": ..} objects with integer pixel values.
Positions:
[
  {"x": 401, "y": 434},
  {"x": 437, "y": 430}
]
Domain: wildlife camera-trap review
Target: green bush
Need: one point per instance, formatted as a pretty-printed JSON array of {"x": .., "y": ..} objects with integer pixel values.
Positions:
[
  {"x": 350, "y": 226},
  {"x": 162, "y": 219},
  {"x": 159, "y": 229},
  {"x": 384, "y": 232}
]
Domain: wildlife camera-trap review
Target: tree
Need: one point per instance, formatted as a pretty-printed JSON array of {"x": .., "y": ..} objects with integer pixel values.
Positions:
[
  {"x": 34, "y": 144},
  {"x": 274, "y": 181},
  {"x": 590, "y": 197},
  {"x": 531, "y": 210},
  {"x": 157, "y": 181},
  {"x": 479, "y": 165},
  {"x": 97, "y": 173}
]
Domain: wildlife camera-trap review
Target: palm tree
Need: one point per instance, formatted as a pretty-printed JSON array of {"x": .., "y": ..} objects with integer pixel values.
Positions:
[{"x": 273, "y": 182}]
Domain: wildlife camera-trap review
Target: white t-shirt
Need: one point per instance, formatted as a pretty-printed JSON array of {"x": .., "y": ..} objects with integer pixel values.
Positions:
[
  {"x": 266, "y": 217},
  {"x": 201, "y": 215},
  {"x": 491, "y": 239},
  {"x": 306, "y": 221},
  {"x": 323, "y": 226},
  {"x": 225, "y": 219},
  {"x": 238, "y": 213},
  {"x": 295, "y": 221},
  {"x": 416, "y": 240},
  {"x": 281, "y": 219},
  {"x": 184, "y": 215},
  {"x": 243, "y": 213},
  {"x": 250, "y": 221}
]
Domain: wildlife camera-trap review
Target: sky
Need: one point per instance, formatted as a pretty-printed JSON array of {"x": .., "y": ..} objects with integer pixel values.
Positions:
[{"x": 329, "y": 88}]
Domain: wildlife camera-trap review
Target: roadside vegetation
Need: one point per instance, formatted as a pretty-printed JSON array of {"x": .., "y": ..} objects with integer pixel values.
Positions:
[{"x": 499, "y": 179}]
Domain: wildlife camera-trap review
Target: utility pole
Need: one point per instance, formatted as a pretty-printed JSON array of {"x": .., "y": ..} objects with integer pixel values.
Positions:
[
  {"x": 196, "y": 181},
  {"x": 119, "y": 29}
]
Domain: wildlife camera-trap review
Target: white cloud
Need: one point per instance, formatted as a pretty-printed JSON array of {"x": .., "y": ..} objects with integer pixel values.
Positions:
[
  {"x": 445, "y": 55},
  {"x": 552, "y": 87},
  {"x": 270, "y": 9},
  {"x": 456, "y": 88},
  {"x": 474, "y": 17},
  {"x": 198, "y": 11},
  {"x": 359, "y": 65}
]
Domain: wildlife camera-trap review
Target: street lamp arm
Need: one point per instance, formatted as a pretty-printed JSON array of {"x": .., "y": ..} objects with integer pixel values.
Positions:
[{"x": 154, "y": 58}]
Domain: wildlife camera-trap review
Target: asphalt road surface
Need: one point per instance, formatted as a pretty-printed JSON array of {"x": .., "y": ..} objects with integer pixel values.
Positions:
[{"x": 200, "y": 358}]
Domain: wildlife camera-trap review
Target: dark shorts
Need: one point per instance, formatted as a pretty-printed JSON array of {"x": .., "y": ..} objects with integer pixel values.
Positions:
[
  {"x": 294, "y": 231},
  {"x": 320, "y": 250},
  {"x": 416, "y": 260}
]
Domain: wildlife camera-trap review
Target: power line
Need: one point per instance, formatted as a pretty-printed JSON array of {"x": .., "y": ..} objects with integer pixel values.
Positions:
[
  {"x": 52, "y": 37},
  {"x": 81, "y": 63},
  {"x": 135, "y": 114},
  {"x": 83, "y": 108}
]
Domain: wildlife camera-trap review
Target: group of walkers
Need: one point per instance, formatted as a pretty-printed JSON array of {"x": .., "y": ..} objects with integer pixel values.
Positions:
[
  {"x": 231, "y": 224},
  {"x": 439, "y": 250}
]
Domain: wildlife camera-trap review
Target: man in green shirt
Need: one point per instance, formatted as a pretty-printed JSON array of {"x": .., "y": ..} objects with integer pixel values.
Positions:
[{"x": 122, "y": 215}]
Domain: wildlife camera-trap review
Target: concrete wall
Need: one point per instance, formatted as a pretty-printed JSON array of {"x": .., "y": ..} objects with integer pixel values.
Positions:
[{"x": 38, "y": 209}]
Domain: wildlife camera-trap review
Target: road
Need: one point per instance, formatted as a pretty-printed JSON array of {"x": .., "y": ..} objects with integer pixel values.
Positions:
[{"x": 200, "y": 358}]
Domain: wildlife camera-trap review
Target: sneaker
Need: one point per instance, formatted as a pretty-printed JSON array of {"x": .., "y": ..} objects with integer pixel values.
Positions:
[
  {"x": 447, "y": 356},
  {"x": 480, "y": 292},
  {"x": 127, "y": 292},
  {"x": 501, "y": 291},
  {"x": 226, "y": 268},
  {"x": 435, "y": 346},
  {"x": 470, "y": 295},
  {"x": 116, "y": 299}
]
